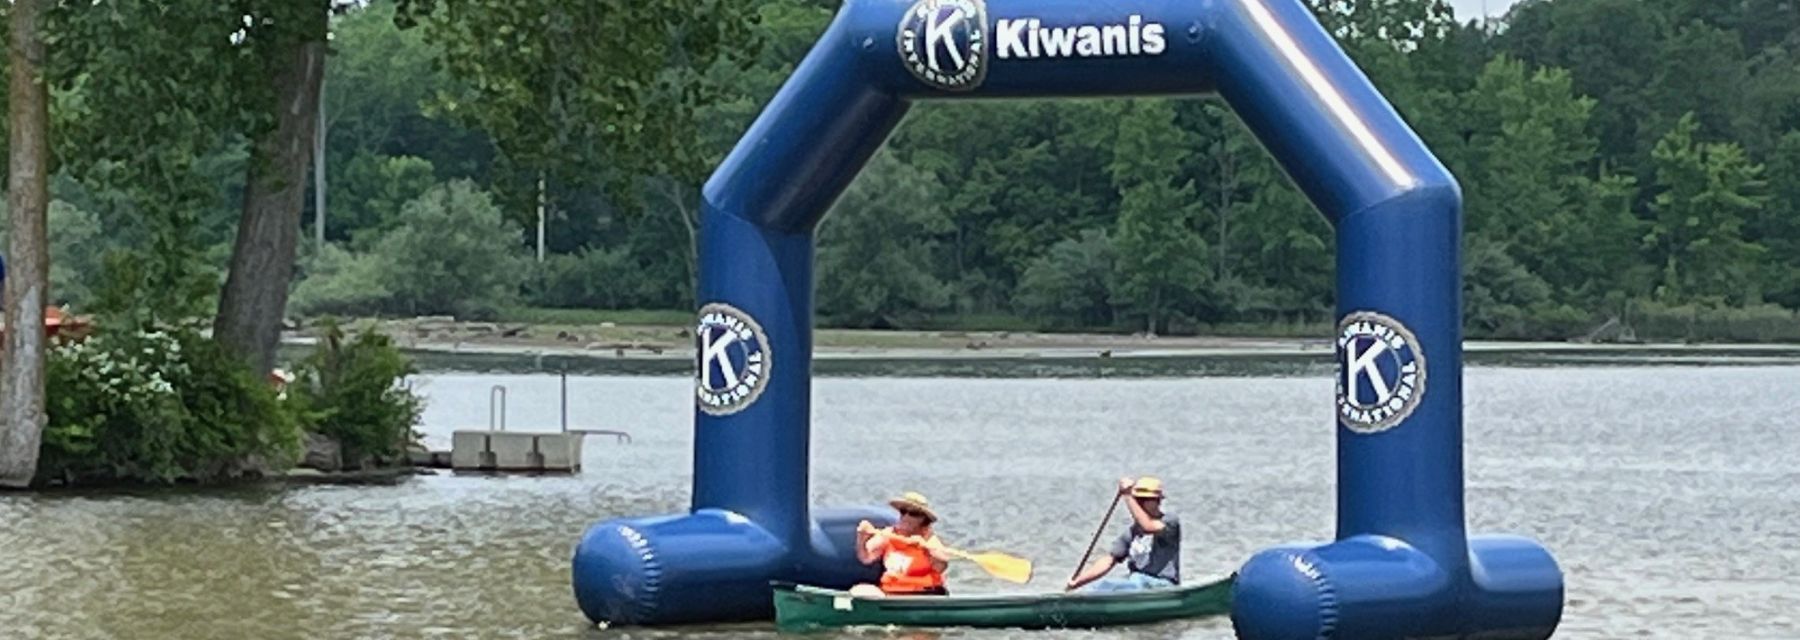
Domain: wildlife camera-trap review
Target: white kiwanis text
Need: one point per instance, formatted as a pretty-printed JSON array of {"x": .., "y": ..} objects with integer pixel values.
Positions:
[{"x": 1026, "y": 38}]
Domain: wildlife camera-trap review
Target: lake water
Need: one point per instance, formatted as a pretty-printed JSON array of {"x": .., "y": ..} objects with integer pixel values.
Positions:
[{"x": 1668, "y": 494}]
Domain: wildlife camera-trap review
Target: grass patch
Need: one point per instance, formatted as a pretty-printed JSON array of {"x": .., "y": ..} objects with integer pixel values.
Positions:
[
  {"x": 979, "y": 322},
  {"x": 580, "y": 317},
  {"x": 1286, "y": 329}
]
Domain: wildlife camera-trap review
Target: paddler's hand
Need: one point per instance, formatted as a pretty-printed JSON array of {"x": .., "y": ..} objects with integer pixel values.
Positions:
[
  {"x": 1125, "y": 485},
  {"x": 865, "y": 528},
  {"x": 1069, "y": 586}
]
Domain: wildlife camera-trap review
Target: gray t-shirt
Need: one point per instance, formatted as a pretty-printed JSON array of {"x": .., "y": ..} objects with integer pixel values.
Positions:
[{"x": 1158, "y": 555}]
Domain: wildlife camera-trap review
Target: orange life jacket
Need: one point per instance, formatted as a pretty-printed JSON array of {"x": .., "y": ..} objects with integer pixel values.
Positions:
[{"x": 908, "y": 568}]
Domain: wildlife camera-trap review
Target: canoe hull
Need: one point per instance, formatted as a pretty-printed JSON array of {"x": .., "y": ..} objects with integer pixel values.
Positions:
[{"x": 799, "y": 607}]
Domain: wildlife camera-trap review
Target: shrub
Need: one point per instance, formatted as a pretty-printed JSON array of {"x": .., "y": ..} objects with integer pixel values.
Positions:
[
  {"x": 1702, "y": 323},
  {"x": 1071, "y": 284},
  {"x": 452, "y": 252},
  {"x": 159, "y": 406},
  {"x": 351, "y": 392},
  {"x": 340, "y": 282},
  {"x": 449, "y": 251},
  {"x": 593, "y": 278}
]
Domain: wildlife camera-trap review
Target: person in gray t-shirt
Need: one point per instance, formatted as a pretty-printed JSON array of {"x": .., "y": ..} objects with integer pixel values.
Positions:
[{"x": 1151, "y": 549}]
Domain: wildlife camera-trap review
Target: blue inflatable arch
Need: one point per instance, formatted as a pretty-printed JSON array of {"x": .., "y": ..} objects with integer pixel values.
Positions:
[{"x": 1403, "y": 564}]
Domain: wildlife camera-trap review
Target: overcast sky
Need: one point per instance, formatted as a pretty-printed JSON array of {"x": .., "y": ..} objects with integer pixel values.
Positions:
[{"x": 1470, "y": 9}]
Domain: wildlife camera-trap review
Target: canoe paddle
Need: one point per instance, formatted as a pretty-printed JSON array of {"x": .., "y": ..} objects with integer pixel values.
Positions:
[
  {"x": 1104, "y": 520},
  {"x": 1005, "y": 567}
]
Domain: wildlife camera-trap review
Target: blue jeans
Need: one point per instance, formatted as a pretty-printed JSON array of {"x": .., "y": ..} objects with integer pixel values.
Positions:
[{"x": 1131, "y": 582}]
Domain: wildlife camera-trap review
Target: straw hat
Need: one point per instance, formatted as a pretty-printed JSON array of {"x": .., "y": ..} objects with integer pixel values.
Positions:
[
  {"x": 913, "y": 501},
  {"x": 1147, "y": 487}
]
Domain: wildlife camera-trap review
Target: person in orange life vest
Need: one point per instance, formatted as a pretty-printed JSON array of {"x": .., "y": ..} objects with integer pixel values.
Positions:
[{"x": 912, "y": 557}]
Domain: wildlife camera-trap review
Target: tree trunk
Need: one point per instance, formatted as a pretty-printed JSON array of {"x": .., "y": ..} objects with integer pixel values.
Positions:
[
  {"x": 1227, "y": 185},
  {"x": 262, "y": 261},
  {"x": 677, "y": 194},
  {"x": 28, "y": 198}
]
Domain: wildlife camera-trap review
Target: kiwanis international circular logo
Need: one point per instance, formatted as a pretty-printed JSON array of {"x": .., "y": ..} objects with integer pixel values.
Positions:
[
  {"x": 1381, "y": 372},
  {"x": 944, "y": 42},
  {"x": 732, "y": 360}
]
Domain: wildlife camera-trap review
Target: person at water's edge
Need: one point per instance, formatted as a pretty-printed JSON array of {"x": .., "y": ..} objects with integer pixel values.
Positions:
[{"x": 1151, "y": 549}]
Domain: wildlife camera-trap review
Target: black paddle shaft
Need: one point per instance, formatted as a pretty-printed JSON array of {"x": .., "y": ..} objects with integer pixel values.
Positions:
[{"x": 1090, "y": 548}]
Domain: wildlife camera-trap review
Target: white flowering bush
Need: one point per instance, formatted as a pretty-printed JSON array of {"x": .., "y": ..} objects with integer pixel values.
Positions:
[{"x": 158, "y": 405}]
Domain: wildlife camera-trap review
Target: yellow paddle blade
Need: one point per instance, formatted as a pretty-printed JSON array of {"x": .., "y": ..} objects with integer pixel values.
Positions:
[{"x": 1004, "y": 567}]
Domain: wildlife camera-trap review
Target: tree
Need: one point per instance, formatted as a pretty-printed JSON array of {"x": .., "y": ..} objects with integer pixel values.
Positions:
[
  {"x": 1499, "y": 294},
  {"x": 1608, "y": 46},
  {"x": 254, "y": 299},
  {"x": 148, "y": 120},
  {"x": 368, "y": 194},
  {"x": 581, "y": 93},
  {"x": 1770, "y": 103},
  {"x": 876, "y": 248},
  {"x": 1600, "y": 258},
  {"x": 381, "y": 96},
  {"x": 28, "y": 261},
  {"x": 1162, "y": 261},
  {"x": 79, "y": 244},
  {"x": 1778, "y": 225},
  {"x": 1287, "y": 252},
  {"x": 1706, "y": 192},
  {"x": 1529, "y": 160},
  {"x": 1018, "y": 178},
  {"x": 449, "y": 251},
  {"x": 1071, "y": 285},
  {"x": 1404, "y": 24},
  {"x": 453, "y": 252},
  {"x": 1699, "y": 64}
]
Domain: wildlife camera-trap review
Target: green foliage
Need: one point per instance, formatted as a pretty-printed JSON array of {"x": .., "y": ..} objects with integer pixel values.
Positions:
[
  {"x": 1499, "y": 294},
  {"x": 1073, "y": 214},
  {"x": 1707, "y": 192},
  {"x": 339, "y": 282},
  {"x": 876, "y": 251},
  {"x": 582, "y": 91},
  {"x": 1708, "y": 323},
  {"x": 78, "y": 245},
  {"x": 1071, "y": 285},
  {"x": 367, "y": 198},
  {"x": 450, "y": 252},
  {"x": 596, "y": 316},
  {"x": 1778, "y": 225},
  {"x": 351, "y": 390},
  {"x": 379, "y": 83},
  {"x": 159, "y": 406},
  {"x": 598, "y": 278},
  {"x": 143, "y": 94},
  {"x": 1400, "y": 24},
  {"x": 1161, "y": 261},
  {"x": 1608, "y": 46}
]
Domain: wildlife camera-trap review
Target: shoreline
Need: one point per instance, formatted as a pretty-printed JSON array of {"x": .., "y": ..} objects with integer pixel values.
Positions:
[{"x": 606, "y": 341}]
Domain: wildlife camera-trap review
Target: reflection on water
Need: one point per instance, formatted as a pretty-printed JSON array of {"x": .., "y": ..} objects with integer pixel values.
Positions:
[{"x": 1665, "y": 492}]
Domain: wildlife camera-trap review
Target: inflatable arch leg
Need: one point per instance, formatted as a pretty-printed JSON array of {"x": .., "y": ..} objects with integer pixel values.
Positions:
[{"x": 1403, "y": 564}]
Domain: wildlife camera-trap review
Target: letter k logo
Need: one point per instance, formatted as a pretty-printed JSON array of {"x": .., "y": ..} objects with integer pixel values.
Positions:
[
  {"x": 1360, "y": 365},
  {"x": 940, "y": 28},
  {"x": 713, "y": 346}
]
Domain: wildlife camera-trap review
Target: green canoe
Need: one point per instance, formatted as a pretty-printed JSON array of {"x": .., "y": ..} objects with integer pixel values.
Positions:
[{"x": 800, "y": 607}]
